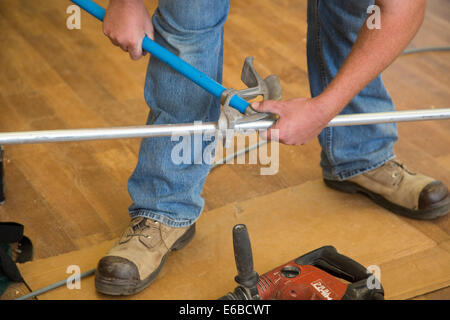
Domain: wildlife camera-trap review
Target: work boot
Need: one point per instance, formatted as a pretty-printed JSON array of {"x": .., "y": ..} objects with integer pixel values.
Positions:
[
  {"x": 399, "y": 190},
  {"x": 138, "y": 256}
]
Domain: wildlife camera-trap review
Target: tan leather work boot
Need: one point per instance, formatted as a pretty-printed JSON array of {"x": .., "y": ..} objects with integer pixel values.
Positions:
[
  {"x": 138, "y": 256},
  {"x": 399, "y": 190}
]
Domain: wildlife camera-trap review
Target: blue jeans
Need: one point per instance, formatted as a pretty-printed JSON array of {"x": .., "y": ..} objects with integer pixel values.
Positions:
[
  {"x": 333, "y": 26},
  {"x": 193, "y": 30}
]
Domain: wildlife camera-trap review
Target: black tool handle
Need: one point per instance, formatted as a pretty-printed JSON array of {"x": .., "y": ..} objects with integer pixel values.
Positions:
[
  {"x": 328, "y": 259},
  {"x": 247, "y": 277}
]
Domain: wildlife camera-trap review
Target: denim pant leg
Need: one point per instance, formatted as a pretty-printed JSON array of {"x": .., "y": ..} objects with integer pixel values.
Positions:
[
  {"x": 159, "y": 188},
  {"x": 333, "y": 26}
]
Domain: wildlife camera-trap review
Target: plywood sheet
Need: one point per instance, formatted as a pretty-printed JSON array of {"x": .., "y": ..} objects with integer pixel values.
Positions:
[{"x": 282, "y": 225}]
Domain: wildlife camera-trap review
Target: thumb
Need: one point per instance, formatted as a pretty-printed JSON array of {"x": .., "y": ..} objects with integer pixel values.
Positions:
[
  {"x": 271, "y": 106},
  {"x": 135, "y": 49},
  {"x": 149, "y": 30},
  {"x": 150, "y": 33}
]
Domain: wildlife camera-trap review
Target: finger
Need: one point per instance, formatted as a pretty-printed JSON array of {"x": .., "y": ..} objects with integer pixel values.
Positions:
[
  {"x": 267, "y": 106},
  {"x": 111, "y": 38},
  {"x": 273, "y": 133},
  {"x": 149, "y": 31},
  {"x": 114, "y": 42},
  {"x": 135, "y": 50},
  {"x": 124, "y": 45},
  {"x": 135, "y": 54},
  {"x": 263, "y": 134},
  {"x": 144, "y": 53}
]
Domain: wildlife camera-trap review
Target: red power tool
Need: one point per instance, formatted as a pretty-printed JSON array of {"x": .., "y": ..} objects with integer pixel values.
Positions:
[{"x": 313, "y": 276}]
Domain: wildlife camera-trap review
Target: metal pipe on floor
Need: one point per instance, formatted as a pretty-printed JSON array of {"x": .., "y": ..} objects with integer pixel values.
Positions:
[{"x": 71, "y": 135}]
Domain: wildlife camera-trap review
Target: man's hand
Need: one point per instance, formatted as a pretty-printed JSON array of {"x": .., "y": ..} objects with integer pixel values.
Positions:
[
  {"x": 301, "y": 119},
  {"x": 126, "y": 23}
]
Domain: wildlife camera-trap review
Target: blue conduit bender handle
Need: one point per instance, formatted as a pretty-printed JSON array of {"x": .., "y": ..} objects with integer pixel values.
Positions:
[{"x": 172, "y": 60}]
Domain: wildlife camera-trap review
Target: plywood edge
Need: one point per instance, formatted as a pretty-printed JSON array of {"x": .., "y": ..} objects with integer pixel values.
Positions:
[
  {"x": 43, "y": 272},
  {"x": 414, "y": 275}
]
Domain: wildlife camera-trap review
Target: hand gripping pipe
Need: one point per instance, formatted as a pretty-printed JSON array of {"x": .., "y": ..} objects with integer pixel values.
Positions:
[{"x": 172, "y": 60}]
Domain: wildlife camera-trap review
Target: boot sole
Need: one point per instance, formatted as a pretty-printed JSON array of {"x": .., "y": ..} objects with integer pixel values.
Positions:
[
  {"x": 437, "y": 210},
  {"x": 120, "y": 287}
]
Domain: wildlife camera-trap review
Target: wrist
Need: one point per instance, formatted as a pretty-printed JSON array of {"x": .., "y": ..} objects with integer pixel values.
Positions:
[
  {"x": 327, "y": 105},
  {"x": 334, "y": 98}
]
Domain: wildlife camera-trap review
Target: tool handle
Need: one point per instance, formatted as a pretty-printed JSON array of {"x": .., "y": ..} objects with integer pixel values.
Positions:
[
  {"x": 328, "y": 259},
  {"x": 247, "y": 276},
  {"x": 172, "y": 60}
]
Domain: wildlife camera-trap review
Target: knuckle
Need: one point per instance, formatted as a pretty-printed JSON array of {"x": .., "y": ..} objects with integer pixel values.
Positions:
[
  {"x": 280, "y": 106},
  {"x": 134, "y": 57},
  {"x": 121, "y": 40},
  {"x": 133, "y": 45},
  {"x": 130, "y": 42},
  {"x": 106, "y": 28},
  {"x": 114, "y": 37}
]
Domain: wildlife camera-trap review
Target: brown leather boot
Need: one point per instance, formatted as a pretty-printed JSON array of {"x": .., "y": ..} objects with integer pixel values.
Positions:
[
  {"x": 399, "y": 190},
  {"x": 138, "y": 256}
]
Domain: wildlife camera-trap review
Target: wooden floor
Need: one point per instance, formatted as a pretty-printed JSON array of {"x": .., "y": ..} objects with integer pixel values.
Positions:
[{"x": 73, "y": 196}]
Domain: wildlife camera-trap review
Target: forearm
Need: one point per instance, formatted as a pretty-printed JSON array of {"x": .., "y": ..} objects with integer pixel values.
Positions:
[{"x": 373, "y": 51}]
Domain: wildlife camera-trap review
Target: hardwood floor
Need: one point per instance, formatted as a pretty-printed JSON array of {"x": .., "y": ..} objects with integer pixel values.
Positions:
[{"x": 71, "y": 196}]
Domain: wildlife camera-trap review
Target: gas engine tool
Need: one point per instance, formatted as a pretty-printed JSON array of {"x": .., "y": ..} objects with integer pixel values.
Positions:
[{"x": 313, "y": 276}]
